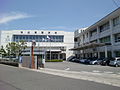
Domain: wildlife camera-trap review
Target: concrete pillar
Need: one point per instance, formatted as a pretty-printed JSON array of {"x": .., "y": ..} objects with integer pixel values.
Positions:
[
  {"x": 98, "y": 34},
  {"x": 106, "y": 54},
  {"x": 58, "y": 55},
  {"x": 112, "y": 38}
]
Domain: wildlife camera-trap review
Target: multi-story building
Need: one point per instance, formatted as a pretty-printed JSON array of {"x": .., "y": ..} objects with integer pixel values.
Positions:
[
  {"x": 53, "y": 44},
  {"x": 101, "y": 39}
]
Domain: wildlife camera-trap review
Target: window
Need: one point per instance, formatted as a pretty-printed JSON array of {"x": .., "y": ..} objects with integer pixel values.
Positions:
[
  {"x": 28, "y": 32},
  {"x": 116, "y": 21},
  {"x": 87, "y": 35},
  {"x": 75, "y": 39},
  {"x": 117, "y": 53},
  {"x": 35, "y": 32},
  {"x": 117, "y": 37},
  {"x": 41, "y": 38},
  {"x": 83, "y": 37},
  {"x": 105, "y": 39},
  {"x": 42, "y": 32},
  {"x": 104, "y": 27},
  {"x": 55, "y": 32},
  {"x": 93, "y": 32},
  {"x": 21, "y": 31},
  {"x": 48, "y": 32}
]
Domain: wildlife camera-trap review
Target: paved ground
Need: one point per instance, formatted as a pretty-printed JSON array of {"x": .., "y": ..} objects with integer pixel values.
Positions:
[
  {"x": 21, "y": 79},
  {"x": 81, "y": 67}
]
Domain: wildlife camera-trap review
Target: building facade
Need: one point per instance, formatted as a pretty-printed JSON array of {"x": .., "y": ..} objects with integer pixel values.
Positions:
[
  {"x": 101, "y": 39},
  {"x": 51, "y": 44}
]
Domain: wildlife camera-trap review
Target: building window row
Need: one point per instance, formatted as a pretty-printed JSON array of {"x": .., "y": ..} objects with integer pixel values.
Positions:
[
  {"x": 36, "y": 32},
  {"x": 39, "y": 38}
]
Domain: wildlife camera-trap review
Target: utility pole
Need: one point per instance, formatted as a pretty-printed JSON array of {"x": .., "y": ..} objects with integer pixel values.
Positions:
[{"x": 32, "y": 53}]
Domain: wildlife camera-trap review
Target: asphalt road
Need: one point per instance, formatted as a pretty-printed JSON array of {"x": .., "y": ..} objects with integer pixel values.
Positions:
[
  {"x": 20, "y": 79},
  {"x": 82, "y": 67}
]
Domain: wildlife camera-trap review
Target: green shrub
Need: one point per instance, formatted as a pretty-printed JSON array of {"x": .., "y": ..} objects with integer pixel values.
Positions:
[{"x": 54, "y": 60}]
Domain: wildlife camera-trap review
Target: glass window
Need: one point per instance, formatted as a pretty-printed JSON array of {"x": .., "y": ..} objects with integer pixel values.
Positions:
[
  {"x": 28, "y": 32},
  {"x": 41, "y": 38},
  {"x": 104, "y": 27},
  {"x": 105, "y": 39},
  {"x": 93, "y": 32},
  {"x": 117, "y": 37},
  {"x": 116, "y": 21},
  {"x": 117, "y": 53},
  {"x": 21, "y": 31}
]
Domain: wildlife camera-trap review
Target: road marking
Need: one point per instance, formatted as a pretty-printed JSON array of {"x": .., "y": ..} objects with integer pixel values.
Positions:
[
  {"x": 95, "y": 71},
  {"x": 108, "y": 72},
  {"x": 67, "y": 69}
]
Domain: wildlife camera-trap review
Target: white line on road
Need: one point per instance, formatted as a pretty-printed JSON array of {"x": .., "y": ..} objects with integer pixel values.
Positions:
[
  {"x": 96, "y": 71},
  {"x": 108, "y": 72}
]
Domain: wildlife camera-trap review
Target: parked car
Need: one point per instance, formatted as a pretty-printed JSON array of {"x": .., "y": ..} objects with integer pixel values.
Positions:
[
  {"x": 71, "y": 58},
  {"x": 82, "y": 60},
  {"x": 115, "y": 62},
  {"x": 76, "y": 60},
  {"x": 96, "y": 61},
  {"x": 88, "y": 60},
  {"x": 106, "y": 61}
]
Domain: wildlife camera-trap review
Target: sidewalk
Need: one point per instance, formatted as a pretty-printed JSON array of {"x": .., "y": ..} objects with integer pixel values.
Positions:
[{"x": 105, "y": 78}]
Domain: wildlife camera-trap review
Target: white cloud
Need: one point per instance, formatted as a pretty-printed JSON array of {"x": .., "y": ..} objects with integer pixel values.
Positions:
[{"x": 8, "y": 17}]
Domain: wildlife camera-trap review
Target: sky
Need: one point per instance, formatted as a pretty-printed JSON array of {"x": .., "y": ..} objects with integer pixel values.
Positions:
[{"x": 66, "y": 15}]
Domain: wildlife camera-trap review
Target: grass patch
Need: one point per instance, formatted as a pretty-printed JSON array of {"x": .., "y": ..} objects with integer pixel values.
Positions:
[{"x": 54, "y": 60}]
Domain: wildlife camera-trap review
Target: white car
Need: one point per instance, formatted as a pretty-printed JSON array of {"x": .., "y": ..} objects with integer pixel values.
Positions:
[
  {"x": 115, "y": 62},
  {"x": 96, "y": 61}
]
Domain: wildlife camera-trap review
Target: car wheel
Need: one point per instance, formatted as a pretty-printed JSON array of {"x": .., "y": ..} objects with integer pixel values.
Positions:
[
  {"x": 116, "y": 65},
  {"x": 95, "y": 63}
]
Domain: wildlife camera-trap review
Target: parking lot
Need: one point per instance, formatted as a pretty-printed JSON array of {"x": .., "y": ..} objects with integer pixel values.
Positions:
[{"x": 71, "y": 66}]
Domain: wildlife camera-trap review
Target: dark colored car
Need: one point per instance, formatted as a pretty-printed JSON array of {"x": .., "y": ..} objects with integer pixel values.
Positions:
[
  {"x": 106, "y": 61},
  {"x": 87, "y": 61},
  {"x": 76, "y": 60},
  {"x": 72, "y": 59}
]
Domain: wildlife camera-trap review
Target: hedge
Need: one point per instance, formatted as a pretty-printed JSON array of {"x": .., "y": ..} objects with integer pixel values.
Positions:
[
  {"x": 54, "y": 60},
  {"x": 9, "y": 63}
]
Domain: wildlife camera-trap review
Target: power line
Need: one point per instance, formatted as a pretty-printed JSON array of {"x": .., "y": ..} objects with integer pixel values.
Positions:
[{"x": 115, "y": 3}]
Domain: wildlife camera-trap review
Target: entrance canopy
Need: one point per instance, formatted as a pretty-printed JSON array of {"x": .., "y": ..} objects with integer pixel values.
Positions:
[{"x": 90, "y": 45}]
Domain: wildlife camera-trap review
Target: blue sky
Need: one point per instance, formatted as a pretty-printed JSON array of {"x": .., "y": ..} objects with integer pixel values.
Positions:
[{"x": 66, "y": 15}]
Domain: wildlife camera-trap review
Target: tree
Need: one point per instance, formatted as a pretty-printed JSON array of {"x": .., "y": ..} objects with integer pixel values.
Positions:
[
  {"x": 2, "y": 51},
  {"x": 22, "y": 45},
  {"x": 15, "y": 48}
]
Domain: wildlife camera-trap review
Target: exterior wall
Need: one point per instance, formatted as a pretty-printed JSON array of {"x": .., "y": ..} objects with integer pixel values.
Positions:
[
  {"x": 68, "y": 42},
  {"x": 111, "y": 31}
]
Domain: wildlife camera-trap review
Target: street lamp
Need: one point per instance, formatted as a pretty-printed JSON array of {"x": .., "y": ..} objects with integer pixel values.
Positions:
[{"x": 32, "y": 54}]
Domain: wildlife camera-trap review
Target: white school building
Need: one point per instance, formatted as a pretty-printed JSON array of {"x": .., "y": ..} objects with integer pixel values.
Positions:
[{"x": 56, "y": 48}]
